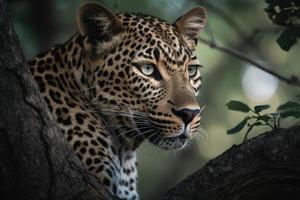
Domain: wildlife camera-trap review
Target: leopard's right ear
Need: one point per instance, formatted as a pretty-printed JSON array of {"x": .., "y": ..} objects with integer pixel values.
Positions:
[{"x": 97, "y": 22}]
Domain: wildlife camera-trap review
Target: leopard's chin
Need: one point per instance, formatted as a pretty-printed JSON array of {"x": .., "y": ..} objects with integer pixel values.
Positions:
[{"x": 169, "y": 143}]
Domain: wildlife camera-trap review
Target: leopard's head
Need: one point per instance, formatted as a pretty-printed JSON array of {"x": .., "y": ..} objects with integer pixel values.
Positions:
[{"x": 146, "y": 69}]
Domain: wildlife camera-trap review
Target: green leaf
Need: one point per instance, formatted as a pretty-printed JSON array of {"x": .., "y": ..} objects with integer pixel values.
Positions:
[
  {"x": 289, "y": 105},
  {"x": 264, "y": 118},
  {"x": 257, "y": 124},
  {"x": 291, "y": 113},
  {"x": 287, "y": 39},
  {"x": 250, "y": 128},
  {"x": 260, "y": 108},
  {"x": 238, "y": 106},
  {"x": 238, "y": 127}
]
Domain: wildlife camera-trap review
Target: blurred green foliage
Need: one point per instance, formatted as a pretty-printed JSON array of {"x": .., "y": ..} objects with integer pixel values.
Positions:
[
  {"x": 239, "y": 24},
  {"x": 286, "y": 14}
]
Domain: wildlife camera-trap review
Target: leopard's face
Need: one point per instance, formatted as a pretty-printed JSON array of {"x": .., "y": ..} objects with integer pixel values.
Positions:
[
  {"x": 167, "y": 88},
  {"x": 149, "y": 76}
]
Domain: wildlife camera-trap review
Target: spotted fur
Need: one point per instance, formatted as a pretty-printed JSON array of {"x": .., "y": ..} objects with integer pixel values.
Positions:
[{"x": 99, "y": 90}]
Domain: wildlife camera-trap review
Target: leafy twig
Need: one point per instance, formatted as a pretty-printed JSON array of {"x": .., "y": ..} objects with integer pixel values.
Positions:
[{"x": 288, "y": 109}]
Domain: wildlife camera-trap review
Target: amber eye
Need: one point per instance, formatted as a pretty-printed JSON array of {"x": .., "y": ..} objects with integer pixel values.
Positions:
[
  {"x": 192, "y": 70},
  {"x": 147, "y": 69}
]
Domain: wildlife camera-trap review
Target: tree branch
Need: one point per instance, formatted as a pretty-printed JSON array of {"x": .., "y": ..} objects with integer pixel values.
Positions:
[
  {"x": 293, "y": 80},
  {"x": 266, "y": 167}
]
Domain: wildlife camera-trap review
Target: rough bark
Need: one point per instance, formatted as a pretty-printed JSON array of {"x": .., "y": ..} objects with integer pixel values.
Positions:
[
  {"x": 266, "y": 167},
  {"x": 35, "y": 160}
]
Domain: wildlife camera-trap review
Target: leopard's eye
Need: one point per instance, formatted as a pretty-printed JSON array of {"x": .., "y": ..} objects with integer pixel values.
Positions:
[
  {"x": 192, "y": 70},
  {"x": 147, "y": 69}
]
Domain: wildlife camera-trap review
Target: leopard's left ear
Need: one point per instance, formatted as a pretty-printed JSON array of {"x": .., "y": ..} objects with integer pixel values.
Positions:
[
  {"x": 191, "y": 23},
  {"x": 97, "y": 22}
]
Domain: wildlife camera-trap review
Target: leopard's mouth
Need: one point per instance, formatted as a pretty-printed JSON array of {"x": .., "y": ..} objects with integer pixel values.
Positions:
[{"x": 157, "y": 136}]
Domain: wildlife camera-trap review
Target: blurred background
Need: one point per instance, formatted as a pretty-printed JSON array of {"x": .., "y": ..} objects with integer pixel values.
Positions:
[{"x": 242, "y": 25}]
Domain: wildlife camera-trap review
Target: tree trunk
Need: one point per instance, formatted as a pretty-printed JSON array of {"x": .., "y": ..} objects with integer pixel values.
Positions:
[
  {"x": 37, "y": 163},
  {"x": 35, "y": 160},
  {"x": 266, "y": 167}
]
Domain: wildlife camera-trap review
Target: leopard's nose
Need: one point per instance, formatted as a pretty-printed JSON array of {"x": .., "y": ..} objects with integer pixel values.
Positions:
[{"x": 187, "y": 115}]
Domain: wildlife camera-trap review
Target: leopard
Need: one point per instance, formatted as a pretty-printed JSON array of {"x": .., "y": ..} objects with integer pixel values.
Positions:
[{"x": 120, "y": 80}]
